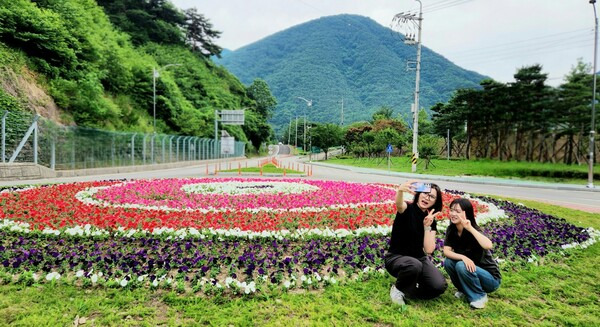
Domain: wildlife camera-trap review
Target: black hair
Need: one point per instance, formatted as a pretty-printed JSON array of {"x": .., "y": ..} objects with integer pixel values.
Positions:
[
  {"x": 437, "y": 205},
  {"x": 467, "y": 207}
]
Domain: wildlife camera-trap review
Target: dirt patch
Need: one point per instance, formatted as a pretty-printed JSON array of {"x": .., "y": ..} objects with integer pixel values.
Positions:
[{"x": 23, "y": 85}]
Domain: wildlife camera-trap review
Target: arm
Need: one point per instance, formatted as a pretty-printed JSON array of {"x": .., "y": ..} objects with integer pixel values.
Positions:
[
  {"x": 483, "y": 241},
  {"x": 450, "y": 254},
  {"x": 429, "y": 241},
  {"x": 429, "y": 235},
  {"x": 406, "y": 187}
]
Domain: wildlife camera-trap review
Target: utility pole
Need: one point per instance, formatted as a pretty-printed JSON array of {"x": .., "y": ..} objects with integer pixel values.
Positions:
[
  {"x": 342, "y": 123},
  {"x": 409, "y": 39},
  {"x": 289, "y": 131},
  {"x": 296, "y": 140},
  {"x": 593, "y": 126}
]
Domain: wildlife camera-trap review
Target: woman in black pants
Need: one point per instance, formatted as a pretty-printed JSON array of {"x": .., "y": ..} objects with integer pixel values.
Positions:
[{"x": 413, "y": 238}]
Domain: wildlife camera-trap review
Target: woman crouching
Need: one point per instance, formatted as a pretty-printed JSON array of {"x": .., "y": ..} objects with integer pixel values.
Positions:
[
  {"x": 469, "y": 262},
  {"x": 413, "y": 238}
]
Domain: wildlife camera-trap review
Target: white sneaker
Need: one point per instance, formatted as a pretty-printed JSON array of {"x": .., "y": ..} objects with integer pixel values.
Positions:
[
  {"x": 397, "y": 295},
  {"x": 480, "y": 304},
  {"x": 459, "y": 295}
]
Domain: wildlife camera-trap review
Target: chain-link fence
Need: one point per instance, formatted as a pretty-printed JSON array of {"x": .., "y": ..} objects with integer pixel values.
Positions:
[{"x": 60, "y": 147}]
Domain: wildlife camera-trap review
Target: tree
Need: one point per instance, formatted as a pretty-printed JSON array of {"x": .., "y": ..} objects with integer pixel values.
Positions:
[
  {"x": 384, "y": 112},
  {"x": 200, "y": 34},
  {"x": 147, "y": 21},
  {"x": 326, "y": 136},
  {"x": 265, "y": 101},
  {"x": 256, "y": 129}
]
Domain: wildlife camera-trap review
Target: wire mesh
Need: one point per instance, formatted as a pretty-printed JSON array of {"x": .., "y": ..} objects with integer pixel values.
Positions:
[{"x": 71, "y": 147}]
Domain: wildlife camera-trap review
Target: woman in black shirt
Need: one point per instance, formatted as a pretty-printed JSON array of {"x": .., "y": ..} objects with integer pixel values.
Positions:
[
  {"x": 413, "y": 237},
  {"x": 469, "y": 262}
]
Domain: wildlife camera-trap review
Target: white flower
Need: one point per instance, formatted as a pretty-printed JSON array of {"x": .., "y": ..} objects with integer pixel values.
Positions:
[
  {"x": 94, "y": 278},
  {"x": 79, "y": 274},
  {"x": 140, "y": 278},
  {"x": 123, "y": 282},
  {"x": 155, "y": 283},
  {"x": 287, "y": 284},
  {"x": 52, "y": 276}
]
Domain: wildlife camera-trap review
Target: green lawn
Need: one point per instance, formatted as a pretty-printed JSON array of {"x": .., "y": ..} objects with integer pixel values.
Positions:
[
  {"x": 268, "y": 168},
  {"x": 547, "y": 172},
  {"x": 559, "y": 291}
]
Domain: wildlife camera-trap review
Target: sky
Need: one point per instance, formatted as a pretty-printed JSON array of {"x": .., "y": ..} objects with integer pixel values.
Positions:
[{"x": 491, "y": 37}]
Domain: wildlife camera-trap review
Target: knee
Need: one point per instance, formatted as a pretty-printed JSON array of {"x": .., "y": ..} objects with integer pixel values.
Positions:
[
  {"x": 461, "y": 269},
  {"x": 449, "y": 265},
  {"x": 414, "y": 267},
  {"x": 439, "y": 288}
]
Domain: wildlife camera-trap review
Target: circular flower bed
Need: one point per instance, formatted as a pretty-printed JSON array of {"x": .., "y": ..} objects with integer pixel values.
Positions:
[{"x": 230, "y": 235}]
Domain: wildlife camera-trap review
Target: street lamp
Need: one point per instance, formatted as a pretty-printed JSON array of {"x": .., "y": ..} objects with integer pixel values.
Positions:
[
  {"x": 155, "y": 75},
  {"x": 593, "y": 126},
  {"x": 308, "y": 104},
  {"x": 310, "y": 144}
]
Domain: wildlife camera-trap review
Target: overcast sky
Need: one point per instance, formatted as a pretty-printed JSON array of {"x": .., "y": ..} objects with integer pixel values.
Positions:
[{"x": 491, "y": 37}]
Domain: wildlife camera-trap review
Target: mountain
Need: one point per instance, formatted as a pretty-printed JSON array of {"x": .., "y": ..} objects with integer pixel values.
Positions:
[
  {"x": 79, "y": 63},
  {"x": 345, "y": 57}
]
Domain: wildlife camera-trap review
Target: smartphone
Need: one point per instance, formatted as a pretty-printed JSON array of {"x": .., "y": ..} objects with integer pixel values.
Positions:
[{"x": 422, "y": 187}]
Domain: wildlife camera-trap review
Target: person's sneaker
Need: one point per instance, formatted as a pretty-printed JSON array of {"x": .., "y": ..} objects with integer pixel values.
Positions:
[
  {"x": 459, "y": 295},
  {"x": 397, "y": 295},
  {"x": 480, "y": 304}
]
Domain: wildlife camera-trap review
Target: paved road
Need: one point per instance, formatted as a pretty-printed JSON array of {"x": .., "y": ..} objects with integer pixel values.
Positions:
[{"x": 571, "y": 198}]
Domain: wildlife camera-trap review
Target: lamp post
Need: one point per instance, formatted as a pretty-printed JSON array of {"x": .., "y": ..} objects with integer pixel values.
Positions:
[
  {"x": 155, "y": 75},
  {"x": 309, "y": 144},
  {"x": 308, "y": 104},
  {"x": 593, "y": 126}
]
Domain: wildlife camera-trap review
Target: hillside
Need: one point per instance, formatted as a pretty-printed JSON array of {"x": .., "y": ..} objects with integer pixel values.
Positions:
[
  {"x": 68, "y": 61},
  {"x": 344, "y": 56}
]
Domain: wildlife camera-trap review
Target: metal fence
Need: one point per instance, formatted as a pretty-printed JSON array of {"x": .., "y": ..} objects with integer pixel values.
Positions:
[{"x": 29, "y": 138}]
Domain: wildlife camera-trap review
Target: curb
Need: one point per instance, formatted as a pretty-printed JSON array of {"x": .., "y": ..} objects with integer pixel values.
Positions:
[{"x": 464, "y": 179}]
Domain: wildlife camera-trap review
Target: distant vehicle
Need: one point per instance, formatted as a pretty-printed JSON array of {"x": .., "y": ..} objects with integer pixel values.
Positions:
[{"x": 280, "y": 143}]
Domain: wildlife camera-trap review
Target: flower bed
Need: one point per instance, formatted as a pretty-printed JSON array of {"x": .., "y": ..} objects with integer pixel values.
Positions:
[{"x": 230, "y": 235}]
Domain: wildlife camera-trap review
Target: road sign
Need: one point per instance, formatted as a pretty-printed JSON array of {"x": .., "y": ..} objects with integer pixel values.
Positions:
[
  {"x": 389, "y": 148},
  {"x": 232, "y": 117}
]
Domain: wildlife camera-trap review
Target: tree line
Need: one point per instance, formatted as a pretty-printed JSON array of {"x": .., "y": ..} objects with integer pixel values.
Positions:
[
  {"x": 524, "y": 120},
  {"x": 521, "y": 120}
]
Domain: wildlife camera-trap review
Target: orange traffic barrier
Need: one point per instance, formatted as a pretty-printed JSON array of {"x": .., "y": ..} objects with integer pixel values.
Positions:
[
  {"x": 260, "y": 170},
  {"x": 239, "y": 169},
  {"x": 283, "y": 171}
]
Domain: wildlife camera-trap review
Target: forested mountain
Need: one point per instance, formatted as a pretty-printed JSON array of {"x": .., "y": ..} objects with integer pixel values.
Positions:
[
  {"x": 94, "y": 67},
  {"x": 345, "y": 57}
]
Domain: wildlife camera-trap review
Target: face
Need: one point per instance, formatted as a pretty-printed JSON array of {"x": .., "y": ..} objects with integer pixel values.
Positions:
[
  {"x": 456, "y": 214},
  {"x": 427, "y": 200}
]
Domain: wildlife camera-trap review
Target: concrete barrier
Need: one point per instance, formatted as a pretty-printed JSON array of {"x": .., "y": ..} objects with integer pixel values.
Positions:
[
  {"x": 19, "y": 171},
  {"x": 23, "y": 171}
]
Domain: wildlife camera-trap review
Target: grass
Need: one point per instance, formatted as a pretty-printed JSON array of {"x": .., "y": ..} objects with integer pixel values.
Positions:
[
  {"x": 546, "y": 172},
  {"x": 268, "y": 168},
  {"x": 561, "y": 290}
]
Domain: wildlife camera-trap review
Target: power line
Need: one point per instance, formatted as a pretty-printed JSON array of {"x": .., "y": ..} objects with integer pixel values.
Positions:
[
  {"x": 527, "y": 47},
  {"x": 543, "y": 50},
  {"x": 449, "y": 5},
  {"x": 578, "y": 32}
]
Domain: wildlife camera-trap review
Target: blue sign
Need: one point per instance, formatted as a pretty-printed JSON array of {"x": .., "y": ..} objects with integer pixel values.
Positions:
[{"x": 389, "y": 148}]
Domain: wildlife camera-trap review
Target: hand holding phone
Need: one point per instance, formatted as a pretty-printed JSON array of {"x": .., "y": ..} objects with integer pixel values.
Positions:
[{"x": 421, "y": 187}]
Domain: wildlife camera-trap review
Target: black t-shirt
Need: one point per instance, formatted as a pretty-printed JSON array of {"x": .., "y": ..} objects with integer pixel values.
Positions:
[
  {"x": 467, "y": 245},
  {"x": 408, "y": 232}
]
